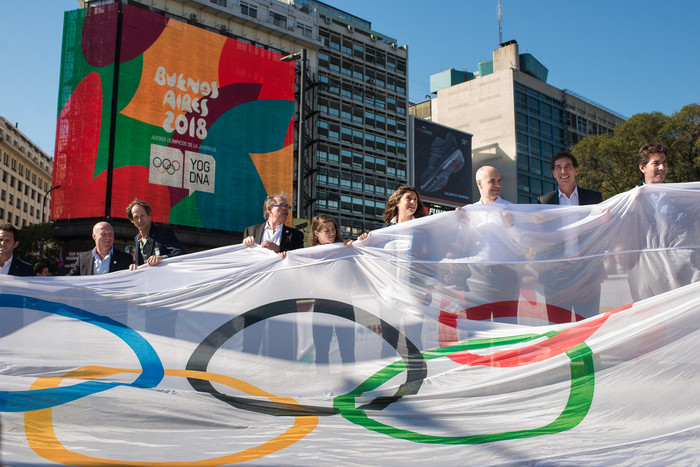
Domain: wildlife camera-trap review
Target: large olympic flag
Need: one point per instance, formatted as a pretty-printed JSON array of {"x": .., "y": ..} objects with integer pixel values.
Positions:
[
  {"x": 445, "y": 340},
  {"x": 194, "y": 122}
]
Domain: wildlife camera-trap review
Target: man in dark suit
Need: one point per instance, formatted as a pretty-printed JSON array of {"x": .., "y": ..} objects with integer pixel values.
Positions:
[
  {"x": 574, "y": 285},
  {"x": 104, "y": 258},
  {"x": 273, "y": 235},
  {"x": 13, "y": 266},
  {"x": 9, "y": 263},
  {"x": 565, "y": 169},
  {"x": 153, "y": 243}
]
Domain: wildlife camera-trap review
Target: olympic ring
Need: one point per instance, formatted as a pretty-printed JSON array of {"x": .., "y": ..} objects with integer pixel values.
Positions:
[
  {"x": 21, "y": 401},
  {"x": 416, "y": 369},
  {"x": 42, "y": 438},
  {"x": 166, "y": 165},
  {"x": 577, "y": 406}
]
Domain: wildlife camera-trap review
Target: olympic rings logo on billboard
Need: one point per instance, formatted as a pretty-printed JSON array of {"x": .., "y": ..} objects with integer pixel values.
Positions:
[{"x": 166, "y": 165}]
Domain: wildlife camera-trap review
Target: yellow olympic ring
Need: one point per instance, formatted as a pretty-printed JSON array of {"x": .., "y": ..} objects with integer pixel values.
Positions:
[{"x": 38, "y": 424}]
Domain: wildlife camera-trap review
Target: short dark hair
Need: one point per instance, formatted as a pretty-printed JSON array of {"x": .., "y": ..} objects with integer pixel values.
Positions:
[
  {"x": 138, "y": 202},
  {"x": 11, "y": 228},
  {"x": 648, "y": 149},
  {"x": 562, "y": 155},
  {"x": 38, "y": 267}
]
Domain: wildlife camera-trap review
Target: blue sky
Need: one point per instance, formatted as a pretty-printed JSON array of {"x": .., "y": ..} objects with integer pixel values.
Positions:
[{"x": 631, "y": 56}]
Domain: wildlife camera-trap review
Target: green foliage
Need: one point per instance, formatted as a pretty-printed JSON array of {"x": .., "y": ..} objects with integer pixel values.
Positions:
[
  {"x": 29, "y": 243},
  {"x": 609, "y": 162}
]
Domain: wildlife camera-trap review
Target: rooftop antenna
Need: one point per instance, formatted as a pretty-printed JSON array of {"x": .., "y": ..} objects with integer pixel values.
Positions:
[{"x": 500, "y": 28}]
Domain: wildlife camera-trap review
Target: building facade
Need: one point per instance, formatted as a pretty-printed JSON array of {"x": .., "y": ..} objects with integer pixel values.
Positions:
[
  {"x": 25, "y": 177},
  {"x": 518, "y": 120},
  {"x": 354, "y": 136}
]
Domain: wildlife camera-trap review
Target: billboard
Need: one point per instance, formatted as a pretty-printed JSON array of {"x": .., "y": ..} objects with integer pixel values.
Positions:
[
  {"x": 442, "y": 163},
  {"x": 197, "y": 124}
]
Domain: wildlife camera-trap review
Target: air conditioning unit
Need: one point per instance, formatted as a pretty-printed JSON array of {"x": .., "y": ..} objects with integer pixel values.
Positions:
[
  {"x": 351, "y": 28},
  {"x": 327, "y": 19},
  {"x": 373, "y": 37},
  {"x": 193, "y": 16}
]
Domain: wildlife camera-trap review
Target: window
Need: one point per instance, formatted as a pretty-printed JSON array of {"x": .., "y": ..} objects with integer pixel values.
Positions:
[
  {"x": 278, "y": 20},
  {"x": 249, "y": 10},
  {"x": 305, "y": 30},
  {"x": 223, "y": 3}
]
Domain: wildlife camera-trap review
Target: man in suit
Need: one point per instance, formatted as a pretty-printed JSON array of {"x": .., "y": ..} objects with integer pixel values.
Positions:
[
  {"x": 153, "y": 243},
  {"x": 565, "y": 169},
  {"x": 9, "y": 263},
  {"x": 102, "y": 259},
  {"x": 574, "y": 285},
  {"x": 273, "y": 234}
]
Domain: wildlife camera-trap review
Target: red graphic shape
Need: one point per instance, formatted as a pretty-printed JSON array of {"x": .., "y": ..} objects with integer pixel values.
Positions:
[{"x": 77, "y": 137}]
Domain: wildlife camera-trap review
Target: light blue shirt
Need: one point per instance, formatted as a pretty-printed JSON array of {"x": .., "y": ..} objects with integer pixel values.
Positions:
[{"x": 100, "y": 266}]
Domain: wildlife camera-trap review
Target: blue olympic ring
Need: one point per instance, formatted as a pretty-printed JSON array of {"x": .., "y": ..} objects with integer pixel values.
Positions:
[
  {"x": 166, "y": 165},
  {"x": 22, "y": 401}
]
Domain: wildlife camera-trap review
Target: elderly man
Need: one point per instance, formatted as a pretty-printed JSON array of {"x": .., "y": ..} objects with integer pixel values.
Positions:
[
  {"x": 652, "y": 162},
  {"x": 153, "y": 243},
  {"x": 273, "y": 234},
  {"x": 9, "y": 263},
  {"x": 488, "y": 180},
  {"x": 565, "y": 169},
  {"x": 104, "y": 258}
]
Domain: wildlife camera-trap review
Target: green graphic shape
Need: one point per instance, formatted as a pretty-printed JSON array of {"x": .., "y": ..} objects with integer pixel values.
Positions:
[{"x": 577, "y": 406}]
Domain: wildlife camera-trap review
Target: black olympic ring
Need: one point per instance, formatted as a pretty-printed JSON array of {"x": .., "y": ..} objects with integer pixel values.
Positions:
[
  {"x": 416, "y": 369},
  {"x": 166, "y": 165}
]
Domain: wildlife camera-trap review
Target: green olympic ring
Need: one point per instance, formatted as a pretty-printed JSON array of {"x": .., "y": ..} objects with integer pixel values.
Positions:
[{"x": 576, "y": 409}]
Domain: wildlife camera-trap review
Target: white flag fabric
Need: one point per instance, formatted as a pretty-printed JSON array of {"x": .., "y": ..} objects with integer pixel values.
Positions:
[{"x": 494, "y": 334}]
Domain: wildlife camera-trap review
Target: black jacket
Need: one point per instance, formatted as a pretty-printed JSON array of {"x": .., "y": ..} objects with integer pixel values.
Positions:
[
  {"x": 85, "y": 266},
  {"x": 159, "y": 238}
]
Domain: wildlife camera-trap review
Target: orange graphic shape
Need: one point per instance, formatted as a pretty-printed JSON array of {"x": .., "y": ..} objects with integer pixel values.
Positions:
[
  {"x": 274, "y": 169},
  {"x": 181, "y": 49}
]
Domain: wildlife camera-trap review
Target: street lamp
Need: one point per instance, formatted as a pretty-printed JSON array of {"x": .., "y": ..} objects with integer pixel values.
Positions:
[
  {"x": 41, "y": 239},
  {"x": 300, "y": 146}
]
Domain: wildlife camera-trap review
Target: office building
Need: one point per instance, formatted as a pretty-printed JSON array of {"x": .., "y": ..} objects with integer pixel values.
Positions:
[
  {"x": 355, "y": 92},
  {"x": 25, "y": 178},
  {"x": 518, "y": 120}
]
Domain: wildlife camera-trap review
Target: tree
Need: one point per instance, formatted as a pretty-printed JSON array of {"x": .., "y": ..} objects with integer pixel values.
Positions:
[
  {"x": 682, "y": 133},
  {"x": 29, "y": 244},
  {"x": 609, "y": 162}
]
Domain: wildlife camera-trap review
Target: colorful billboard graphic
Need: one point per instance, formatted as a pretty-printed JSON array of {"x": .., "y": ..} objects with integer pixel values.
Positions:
[
  {"x": 197, "y": 124},
  {"x": 442, "y": 163}
]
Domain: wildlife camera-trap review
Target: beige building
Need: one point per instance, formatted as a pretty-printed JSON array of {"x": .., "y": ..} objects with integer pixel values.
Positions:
[
  {"x": 518, "y": 120},
  {"x": 25, "y": 178}
]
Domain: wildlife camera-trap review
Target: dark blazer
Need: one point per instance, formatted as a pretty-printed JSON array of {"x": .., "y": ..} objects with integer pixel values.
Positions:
[
  {"x": 159, "y": 237},
  {"x": 20, "y": 268},
  {"x": 291, "y": 238},
  {"x": 584, "y": 197},
  {"x": 85, "y": 266}
]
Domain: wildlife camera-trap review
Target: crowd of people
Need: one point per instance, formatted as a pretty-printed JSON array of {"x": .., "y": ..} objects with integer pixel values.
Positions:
[{"x": 153, "y": 243}]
